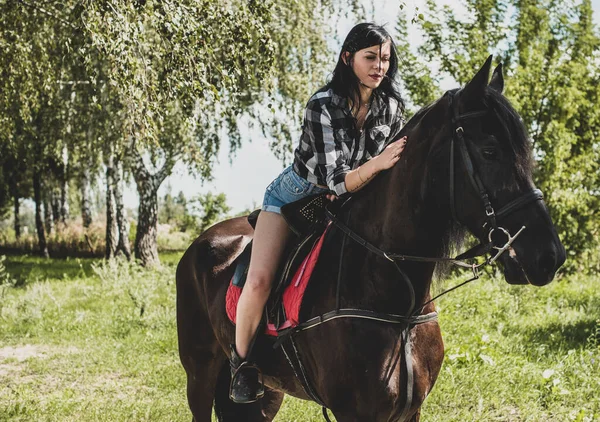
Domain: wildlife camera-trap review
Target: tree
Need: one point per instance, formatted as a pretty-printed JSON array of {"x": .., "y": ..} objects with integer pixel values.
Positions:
[
  {"x": 145, "y": 84},
  {"x": 213, "y": 208},
  {"x": 550, "y": 51},
  {"x": 186, "y": 71}
]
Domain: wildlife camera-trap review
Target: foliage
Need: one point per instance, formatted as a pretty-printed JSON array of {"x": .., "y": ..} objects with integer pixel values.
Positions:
[
  {"x": 194, "y": 215},
  {"x": 155, "y": 80},
  {"x": 550, "y": 52},
  {"x": 5, "y": 277},
  {"x": 171, "y": 210},
  {"x": 213, "y": 209}
]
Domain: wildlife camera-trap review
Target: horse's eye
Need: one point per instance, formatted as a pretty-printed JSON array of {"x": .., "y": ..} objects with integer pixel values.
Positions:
[{"x": 490, "y": 153}]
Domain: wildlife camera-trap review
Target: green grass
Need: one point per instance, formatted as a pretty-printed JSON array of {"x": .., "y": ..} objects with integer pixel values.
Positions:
[{"x": 84, "y": 340}]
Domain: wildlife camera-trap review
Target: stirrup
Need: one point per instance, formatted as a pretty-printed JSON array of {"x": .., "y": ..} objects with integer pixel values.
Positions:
[{"x": 247, "y": 384}]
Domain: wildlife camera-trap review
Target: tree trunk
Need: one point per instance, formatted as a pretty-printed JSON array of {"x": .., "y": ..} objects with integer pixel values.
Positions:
[
  {"x": 64, "y": 188},
  {"x": 111, "y": 222},
  {"x": 39, "y": 225},
  {"x": 86, "y": 210},
  {"x": 146, "y": 249},
  {"x": 55, "y": 205},
  {"x": 122, "y": 223},
  {"x": 17, "y": 218},
  {"x": 64, "y": 203},
  {"x": 48, "y": 213}
]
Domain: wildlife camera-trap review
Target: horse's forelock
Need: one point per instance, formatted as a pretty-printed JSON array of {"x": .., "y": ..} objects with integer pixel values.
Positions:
[{"x": 514, "y": 131}]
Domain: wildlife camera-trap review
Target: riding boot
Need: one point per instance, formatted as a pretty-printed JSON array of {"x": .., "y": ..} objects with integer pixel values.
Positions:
[{"x": 246, "y": 380}]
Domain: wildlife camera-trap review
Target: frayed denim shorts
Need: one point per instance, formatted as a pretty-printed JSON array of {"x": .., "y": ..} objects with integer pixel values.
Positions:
[{"x": 286, "y": 188}]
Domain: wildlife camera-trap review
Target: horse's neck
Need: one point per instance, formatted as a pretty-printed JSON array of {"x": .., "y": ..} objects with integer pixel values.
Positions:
[{"x": 392, "y": 215}]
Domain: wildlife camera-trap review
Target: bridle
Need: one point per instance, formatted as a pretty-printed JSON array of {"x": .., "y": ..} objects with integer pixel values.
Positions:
[
  {"x": 414, "y": 315},
  {"x": 491, "y": 216}
]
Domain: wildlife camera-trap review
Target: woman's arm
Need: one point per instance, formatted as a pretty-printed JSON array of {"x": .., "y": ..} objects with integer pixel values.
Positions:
[{"x": 358, "y": 178}]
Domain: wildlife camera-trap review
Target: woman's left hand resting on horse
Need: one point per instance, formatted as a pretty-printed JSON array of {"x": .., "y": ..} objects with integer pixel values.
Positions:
[{"x": 359, "y": 177}]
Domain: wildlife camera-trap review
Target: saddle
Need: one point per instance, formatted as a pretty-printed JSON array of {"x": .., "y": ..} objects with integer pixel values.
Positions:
[{"x": 307, "y": 221}]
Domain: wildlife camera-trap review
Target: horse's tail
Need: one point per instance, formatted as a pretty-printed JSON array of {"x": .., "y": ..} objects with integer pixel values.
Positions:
[{"x": 226, "y": 410}]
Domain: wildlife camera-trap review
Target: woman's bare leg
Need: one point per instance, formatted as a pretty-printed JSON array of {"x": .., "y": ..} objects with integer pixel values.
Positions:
[{"x": 270, "y": 238}]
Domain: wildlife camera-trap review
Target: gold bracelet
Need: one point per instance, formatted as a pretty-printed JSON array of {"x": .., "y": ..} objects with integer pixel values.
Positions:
[{"x": 358, "y": 171}]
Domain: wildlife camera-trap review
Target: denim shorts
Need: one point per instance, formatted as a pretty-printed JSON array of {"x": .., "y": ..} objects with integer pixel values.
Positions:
[{"x": 286, "y": 188}]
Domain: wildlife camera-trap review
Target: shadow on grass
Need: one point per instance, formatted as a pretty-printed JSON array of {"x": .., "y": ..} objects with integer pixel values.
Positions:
[
  {"x": 26, "y": 268},
  {"x": 566, "y": 336},
  {"x": 170, "y": 258}
]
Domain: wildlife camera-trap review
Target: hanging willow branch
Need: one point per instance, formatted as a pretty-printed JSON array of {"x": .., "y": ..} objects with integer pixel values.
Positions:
[{"x": 44, "y": 11}]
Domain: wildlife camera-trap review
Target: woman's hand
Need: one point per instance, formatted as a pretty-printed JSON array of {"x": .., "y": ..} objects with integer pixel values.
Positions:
[{"x": 391, "y": 154}]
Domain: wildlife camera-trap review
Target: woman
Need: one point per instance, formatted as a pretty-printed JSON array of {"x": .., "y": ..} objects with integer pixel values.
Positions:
[{"x": 346, "y": 126}]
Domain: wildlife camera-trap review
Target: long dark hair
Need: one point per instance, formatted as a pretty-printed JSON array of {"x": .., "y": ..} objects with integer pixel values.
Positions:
[{"x": 345, "y": 83}]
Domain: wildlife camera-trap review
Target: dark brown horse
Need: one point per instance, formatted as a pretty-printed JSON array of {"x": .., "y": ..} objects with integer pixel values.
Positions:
[{"x": 466, "y": 153}]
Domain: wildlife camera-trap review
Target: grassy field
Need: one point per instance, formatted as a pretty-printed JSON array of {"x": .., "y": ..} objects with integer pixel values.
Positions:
[{"x": 84, "y": 340}]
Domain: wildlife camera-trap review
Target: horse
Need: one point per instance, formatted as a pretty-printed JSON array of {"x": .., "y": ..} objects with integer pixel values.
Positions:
[{"x": 467, "y": 153}]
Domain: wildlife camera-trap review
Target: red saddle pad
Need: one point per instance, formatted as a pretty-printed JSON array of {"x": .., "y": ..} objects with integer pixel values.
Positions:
[{"x": 292, "y": 296}]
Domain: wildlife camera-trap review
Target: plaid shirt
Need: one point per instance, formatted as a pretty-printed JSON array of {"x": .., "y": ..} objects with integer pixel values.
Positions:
[{"x": 331, "y": 146}]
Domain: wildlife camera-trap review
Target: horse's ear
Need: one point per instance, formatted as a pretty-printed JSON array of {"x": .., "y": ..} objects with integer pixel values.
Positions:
[
  {"x": 497, "y": 82},
  {"x": 475, "y": 88}
]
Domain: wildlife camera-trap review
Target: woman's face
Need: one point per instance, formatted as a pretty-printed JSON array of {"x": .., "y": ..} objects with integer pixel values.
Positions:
[{"x": 371, "y": 64}]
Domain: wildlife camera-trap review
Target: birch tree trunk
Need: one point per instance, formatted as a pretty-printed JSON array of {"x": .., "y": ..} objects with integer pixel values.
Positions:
[
  {"x": 48, "y": 213},
  {"x": 14, "y": 191},
  {"x": 86, "y": 211},
  {"x": 64, "y": 202},
  {"x": 111, "y": 221},
  {"x": 17, "y": 225},
  {"x": 39, "y": 224},
  {"x": 122, "y": 223},
  {"x": 64, "y": 187},
  {"x": 146, "y": 249},
  {"x": 55, "y": 205}
]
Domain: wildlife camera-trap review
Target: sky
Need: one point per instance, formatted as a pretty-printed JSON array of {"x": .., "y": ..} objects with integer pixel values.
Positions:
[{"x": 254, "y": 166}]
